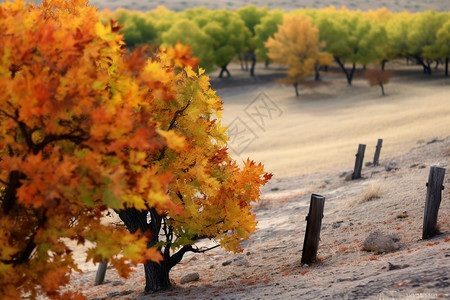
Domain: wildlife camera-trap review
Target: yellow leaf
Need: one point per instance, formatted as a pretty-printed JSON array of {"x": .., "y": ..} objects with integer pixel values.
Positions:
[{"x": 173, "y": 140}]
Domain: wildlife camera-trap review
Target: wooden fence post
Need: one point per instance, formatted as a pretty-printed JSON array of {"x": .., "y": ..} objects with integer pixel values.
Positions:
[
  {"x": 376, "y": 157},
  {"x": 312, "y": 234},
  {"x": 359, "y": 161},
  {"x": 101, "y": 272},
  {"x": 432, "y": 201}
]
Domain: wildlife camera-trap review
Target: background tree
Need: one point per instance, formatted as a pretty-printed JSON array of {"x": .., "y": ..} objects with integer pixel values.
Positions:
[
  {"x": 344, "y": 33},
  {"x": 265, "y": 30},
  {"x": 296, "y": 44},
  {"x": 378, "y": 77},
  {"x": 441, "y": 47},
  {"x": 228, "y": 34},
  {"x": 189, "y": 33},
  {"x": 251, "y": 16},
  {"x": 85, "y": 129},
  {"x": 422, "y": 35}
]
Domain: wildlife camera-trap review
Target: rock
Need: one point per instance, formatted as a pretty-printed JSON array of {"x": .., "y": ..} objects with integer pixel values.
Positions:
[
  {"x": 343, "y": 174},
  {"x": 226, "y": 263},
  {"x": 396, "y": 267},
  {"x": 369, "y": 164},
  {"x": 190, "y": 277},
  {"x": 241, "y": 261},
  {"x": 274, "y": 189},
  {"x": 392, "y": 166},
  {"x": 116, "y": 282},
  {"x": 380, "y": 242},
  {"x": 113, "y": 294},
  {"x": 337, "y": 224},
  {"x": 402, "y": 215},
  {"x": 126, "y": 292},
  {"x": 349, "y": 177}
]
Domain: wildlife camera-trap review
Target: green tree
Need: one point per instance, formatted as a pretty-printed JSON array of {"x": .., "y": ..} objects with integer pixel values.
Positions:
[
  {"x": 228, "y": 34},
  {"x": 251, "y": 16},
  {"x": 188, "y": 32},
  {"x": 345, "y": 34},
  {"x": 422, "y": 35},
  {"x": 265, "y": 30}
]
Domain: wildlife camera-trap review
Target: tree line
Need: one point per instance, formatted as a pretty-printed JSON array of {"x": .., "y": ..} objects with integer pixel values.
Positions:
[{"x": 350, "y": 37}]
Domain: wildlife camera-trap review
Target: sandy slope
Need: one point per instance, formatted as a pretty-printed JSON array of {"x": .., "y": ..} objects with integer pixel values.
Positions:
[
  {"x": 308, "y": 148},
  {"x": 323, "y": 127}
]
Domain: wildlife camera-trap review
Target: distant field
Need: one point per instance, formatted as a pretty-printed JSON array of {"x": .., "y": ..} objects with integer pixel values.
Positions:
[{"x": 288, "y": 5}]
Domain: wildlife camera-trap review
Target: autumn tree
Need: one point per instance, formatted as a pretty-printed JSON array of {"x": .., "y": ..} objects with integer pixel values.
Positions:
[
  {"x": 85, "y": 129},
  {"x": 378, "y": 77},
  {"x": 296, "y": 45}
]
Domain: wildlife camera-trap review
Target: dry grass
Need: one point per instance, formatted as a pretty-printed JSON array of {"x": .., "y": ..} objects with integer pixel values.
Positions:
[{"x": 372, "y": 191}]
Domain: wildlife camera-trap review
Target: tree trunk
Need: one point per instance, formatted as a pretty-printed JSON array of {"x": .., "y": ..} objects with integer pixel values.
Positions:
[
  {"x": 296, "y": 89},
  {"x": 426, "y": 68},
  {"x": 242, "y": 60},
  {"x": 446, "y": 66},
  {"x": 252, "y": 68},
  {"x": 382, "y": 89},
  {"x": 437, "y": 64},
  {"x": 347, "y": 74},
  {"x": 224, "y": 70},
  {"x": 156, "y": 276},
  {"x": 246, "y": 61},
  {"x": 317, "y": 75},
  {"x": 267, "y": 63},
  {"x": 383, "y": 65}
]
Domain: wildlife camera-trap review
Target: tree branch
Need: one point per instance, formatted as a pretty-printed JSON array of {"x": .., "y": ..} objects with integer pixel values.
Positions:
[{"x": 171, "y": 126}]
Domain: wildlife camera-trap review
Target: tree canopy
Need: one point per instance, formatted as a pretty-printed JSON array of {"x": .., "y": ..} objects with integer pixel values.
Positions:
[
  {"x": 86, "y": 129},
  {"x": 296, "y": 44}
]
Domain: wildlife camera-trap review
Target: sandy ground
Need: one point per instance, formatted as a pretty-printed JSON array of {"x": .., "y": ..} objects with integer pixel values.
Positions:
[
  {"x": 322, "y": 128},
  {"x": 310, "y": 148}
]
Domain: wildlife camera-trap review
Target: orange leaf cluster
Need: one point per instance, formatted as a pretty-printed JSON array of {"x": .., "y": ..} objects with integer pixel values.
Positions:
[{"x": 85, "y": 129}]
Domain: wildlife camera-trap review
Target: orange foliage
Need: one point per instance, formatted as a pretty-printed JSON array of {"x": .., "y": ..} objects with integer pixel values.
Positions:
[{"x": 85, "y": 129}]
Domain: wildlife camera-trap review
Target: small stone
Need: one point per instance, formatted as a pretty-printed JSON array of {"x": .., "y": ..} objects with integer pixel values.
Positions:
[
  {"x": 349, "y": 177},
  {"x": 241, "y": 261},
  {"x": 190, "y": 277},
  {"x": 113, "y": 294},
  {"x": 226, "y": 263},
  {"x": 369, "y": 164},
  {"x": 193, "y": 259},
  {"x": 396, "y": 267},
  {"x": 116, "y": 282},
  {"x": 337, "y": 224},
  {"x": 403, "y": 215},
  {"x": 392, "y": 166},
  {"x": 274, "y": 189},
  {"x": 126, "y": 292}
]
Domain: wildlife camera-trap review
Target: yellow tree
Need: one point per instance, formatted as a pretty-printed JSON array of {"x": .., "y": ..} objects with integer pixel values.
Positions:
[{"x": 296, "y": 45}]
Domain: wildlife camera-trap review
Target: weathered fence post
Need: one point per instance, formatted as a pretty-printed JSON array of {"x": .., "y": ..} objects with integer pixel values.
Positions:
[
  {"x": 376, "y": 157},
  {"x": 312, "y": 234},
  {"x": 359, "y": 161},
  {"x": 432, "y": 201},
  {"x": 101, "y": 272}
]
